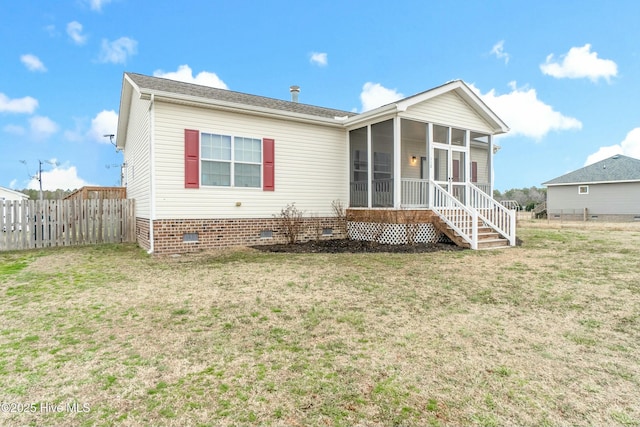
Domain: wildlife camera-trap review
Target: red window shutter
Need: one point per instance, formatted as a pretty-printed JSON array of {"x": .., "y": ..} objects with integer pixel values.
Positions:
[
  {"x": 456, "y": 171},
  {"x": 191, "y": 158},
  {"x": 474, "y": 171},
  {"x": 268, "y": 164}
]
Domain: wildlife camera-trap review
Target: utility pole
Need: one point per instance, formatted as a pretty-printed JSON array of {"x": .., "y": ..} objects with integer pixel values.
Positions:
[{"x": 40, "y": 177}]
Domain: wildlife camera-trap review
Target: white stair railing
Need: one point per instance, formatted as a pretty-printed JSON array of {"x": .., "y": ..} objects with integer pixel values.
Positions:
[
  {"x": 493, "y": 213},
  {"x": 456, "y": 215}
]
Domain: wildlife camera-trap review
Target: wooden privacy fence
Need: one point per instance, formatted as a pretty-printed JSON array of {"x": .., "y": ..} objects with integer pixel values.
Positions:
[{"x": 37, "y": 224}]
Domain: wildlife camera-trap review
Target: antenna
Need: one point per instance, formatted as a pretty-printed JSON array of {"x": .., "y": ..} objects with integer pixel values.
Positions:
[{"x": 110, "y": 136}]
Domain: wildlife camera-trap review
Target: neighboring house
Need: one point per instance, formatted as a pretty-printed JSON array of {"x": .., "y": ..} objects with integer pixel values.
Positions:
[
  {"x": 608, "y": 190},
  {"x": 8, "y": 209},
  {"x": 212, "y": 168},
  {"x": 7, "y": 194}
]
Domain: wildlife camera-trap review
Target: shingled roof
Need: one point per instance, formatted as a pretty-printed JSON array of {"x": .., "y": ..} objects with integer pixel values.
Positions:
[
  {"x": 167, "y": 86},
  {"x": 614, "y": 169}
]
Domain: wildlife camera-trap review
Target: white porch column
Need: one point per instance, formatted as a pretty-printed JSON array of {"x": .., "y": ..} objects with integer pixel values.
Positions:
[
  {"x": 467, "y": 167},
  {"x": 397, "y": 163},
  {"x": 429, "y": 143},
  {"x": 491, "y": 153},
  {"x": 369, "y": 168}
]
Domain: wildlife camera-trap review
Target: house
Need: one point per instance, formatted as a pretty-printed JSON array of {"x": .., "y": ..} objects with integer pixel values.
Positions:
[
  {"x": 608, "y": 190},
  {"x": 9, "y": 208},
  {"x": 7, "y": 194},
  {"x": 211, "y": 168}
]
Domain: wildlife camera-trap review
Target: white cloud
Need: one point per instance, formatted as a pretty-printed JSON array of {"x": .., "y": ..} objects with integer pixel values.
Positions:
[
  {"x": 42, "y": 127},
  {"x": 33, "y": 63},
  {"x": 525, "y": 114},
  {"x": 74, "y": 30},
  {"x": 63, "y": 177},
  {"x": 319, "y": 58},
  {"x": 104, "y": 123},
  {"x": 13, "y": 184},
  {"x": 185, "y": 74},
  {"x": 97, "y": 4},
  {"x": 51, "y": 30},
  {"x": 118, "y": 51},
  {"x": 374, "y": 95},
  {"x": 21, "y": 105},
  {"x": 629, "y": 147},
  {"x": 578, "y": 63},
  {"x": 498, "y": 51},
  {"x": 14, "y": 129}
]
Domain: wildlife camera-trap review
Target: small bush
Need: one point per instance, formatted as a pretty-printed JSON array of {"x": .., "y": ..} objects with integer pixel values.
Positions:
[{"x": 291, "y": 221}]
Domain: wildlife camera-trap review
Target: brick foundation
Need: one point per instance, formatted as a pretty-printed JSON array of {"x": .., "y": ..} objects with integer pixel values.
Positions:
[
  {"x": 142, "y": 233},
  {"x": 171, "y": 236}
]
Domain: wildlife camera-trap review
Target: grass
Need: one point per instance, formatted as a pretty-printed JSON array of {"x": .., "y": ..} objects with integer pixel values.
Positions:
[{"x": 543, "y": 334}]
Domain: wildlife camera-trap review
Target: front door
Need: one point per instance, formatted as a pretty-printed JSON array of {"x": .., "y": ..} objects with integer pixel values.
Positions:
[{"x": 450, "y": 162}]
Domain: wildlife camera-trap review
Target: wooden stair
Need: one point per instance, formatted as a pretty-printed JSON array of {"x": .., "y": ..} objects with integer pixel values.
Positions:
[
  {"x": 488, "y": 238},
  {"x": 540, "y": 210}
]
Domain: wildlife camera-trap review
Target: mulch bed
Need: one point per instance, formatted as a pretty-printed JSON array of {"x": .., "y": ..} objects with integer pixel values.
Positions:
[{"x": 355, "y": 246}]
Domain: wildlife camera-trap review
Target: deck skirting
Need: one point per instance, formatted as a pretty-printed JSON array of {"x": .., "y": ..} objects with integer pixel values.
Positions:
[{"x": 394, "y": 227}]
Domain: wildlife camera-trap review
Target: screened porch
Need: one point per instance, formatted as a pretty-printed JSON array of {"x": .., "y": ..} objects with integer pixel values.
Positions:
[{"x": 386, "y": 174}]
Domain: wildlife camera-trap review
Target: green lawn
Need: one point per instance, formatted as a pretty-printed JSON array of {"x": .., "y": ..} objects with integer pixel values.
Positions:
[{"x": 543, "y": 334}]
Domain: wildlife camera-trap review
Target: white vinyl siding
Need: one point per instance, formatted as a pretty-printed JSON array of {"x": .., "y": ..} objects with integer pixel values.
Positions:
[
  {"x": 410, "y": 148},
  {"x": 450, "y": 110},
  {"x": 481, "y": 157},
  {"x": 136, "y": 157},
  {"x": 310, "y": 166}
]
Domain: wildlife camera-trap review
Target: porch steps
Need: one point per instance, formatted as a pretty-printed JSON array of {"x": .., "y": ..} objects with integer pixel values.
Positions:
[{"x": 488, "y": 238}]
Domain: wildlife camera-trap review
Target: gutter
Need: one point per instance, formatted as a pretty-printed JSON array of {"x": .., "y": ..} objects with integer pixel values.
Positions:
[
  {"x": 589, "y": 182},
  {"x": 152, "y": 193}
]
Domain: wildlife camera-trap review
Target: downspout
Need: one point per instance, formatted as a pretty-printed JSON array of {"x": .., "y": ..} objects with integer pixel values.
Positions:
[{"x": 152, "y": 185}]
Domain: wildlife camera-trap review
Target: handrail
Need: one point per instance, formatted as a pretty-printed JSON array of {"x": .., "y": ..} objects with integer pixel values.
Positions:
[
  {"x": 493, "y": 213},
  {"x": 456, "y": 215}
]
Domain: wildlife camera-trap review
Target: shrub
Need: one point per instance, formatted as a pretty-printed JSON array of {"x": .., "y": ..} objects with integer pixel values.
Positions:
[{"x": 291, "y": 221}]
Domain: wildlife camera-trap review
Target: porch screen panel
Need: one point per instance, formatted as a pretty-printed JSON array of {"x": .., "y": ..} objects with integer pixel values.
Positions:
[
  {"x": 440, "y": 165},
  {"x": 481, "y": 156},
  {"x": 359, "y": 169},
  {"x": 382, "y": 147},
  {"x": 440, "y": 134},
  {"x": 414, "y": 163},
  {"x": 458, "y": 176}
]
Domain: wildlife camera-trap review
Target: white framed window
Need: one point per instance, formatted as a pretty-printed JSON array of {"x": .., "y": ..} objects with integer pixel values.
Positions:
[
  {"x": 583, "y": 189},
  {"x": 230, "y": 161}
]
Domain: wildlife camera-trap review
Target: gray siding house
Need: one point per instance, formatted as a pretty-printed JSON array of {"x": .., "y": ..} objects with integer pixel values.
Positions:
[{"x": 608, "y": 190}]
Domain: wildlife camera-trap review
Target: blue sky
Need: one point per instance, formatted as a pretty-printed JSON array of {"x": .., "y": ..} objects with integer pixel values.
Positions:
[{"x": 564, "y": 75}]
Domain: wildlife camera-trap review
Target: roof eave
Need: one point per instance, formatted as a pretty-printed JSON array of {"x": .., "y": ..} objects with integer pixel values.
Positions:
[
  {"x": 128, "y": 87},
  {"x": 457, "y": 86},
  {"x": 557, "y": 184},
  {"x": 236, "y": 107},
  {"x": 371, "y": 115}
]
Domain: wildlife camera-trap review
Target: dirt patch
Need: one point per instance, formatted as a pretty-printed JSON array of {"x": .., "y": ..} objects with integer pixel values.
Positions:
[{"x": 337, "y": 246}]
